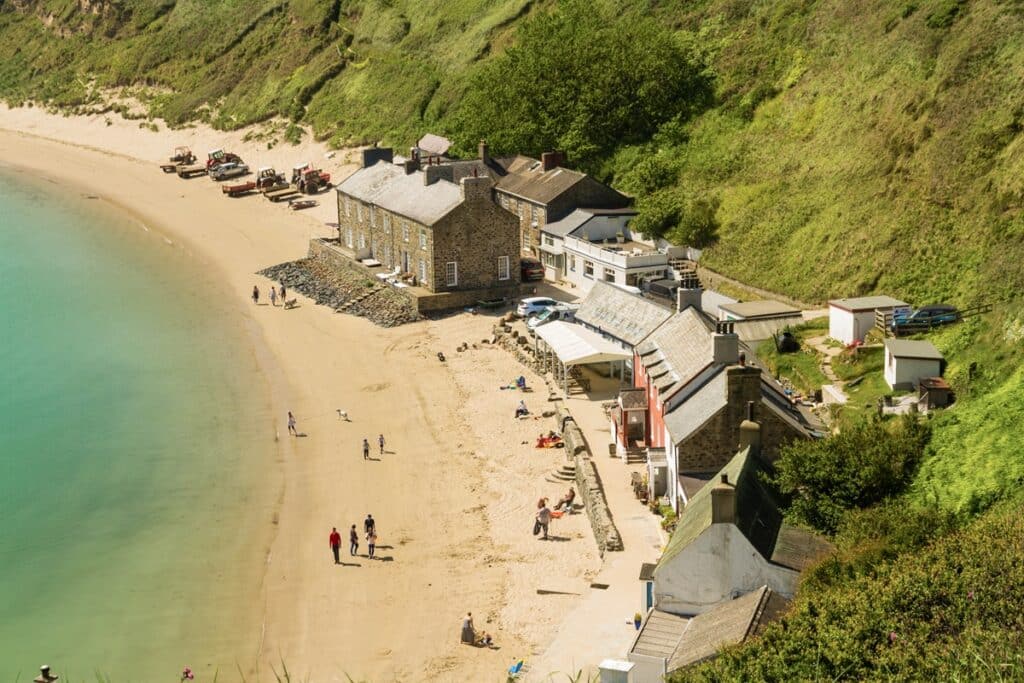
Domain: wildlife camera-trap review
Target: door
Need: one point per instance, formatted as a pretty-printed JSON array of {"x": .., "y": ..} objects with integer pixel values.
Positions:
[{"x": 405, "y": 262}]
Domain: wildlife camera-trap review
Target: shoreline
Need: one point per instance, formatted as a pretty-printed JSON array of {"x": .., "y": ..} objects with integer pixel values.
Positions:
[{"x": 382, "y": 620}]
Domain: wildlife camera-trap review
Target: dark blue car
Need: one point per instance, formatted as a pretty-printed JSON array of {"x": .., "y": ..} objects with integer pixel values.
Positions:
[{"x": 925, "y": 318}]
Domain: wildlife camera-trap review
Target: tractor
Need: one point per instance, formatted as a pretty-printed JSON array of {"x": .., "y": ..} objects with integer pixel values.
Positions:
[
  {"x": 309, "y": 180},
  {"x": 183, "y": 155},
  {"x": 267, "y": 178},
  {"x": 216, "y": 157}
]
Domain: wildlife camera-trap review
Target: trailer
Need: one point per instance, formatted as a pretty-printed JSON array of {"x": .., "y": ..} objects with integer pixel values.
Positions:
[
  {"x": 190, "y": 171},
  {"x": 297, "y": 204},
  {"x": 238, "y": 189},
  {"x": 281, "y": 195}
]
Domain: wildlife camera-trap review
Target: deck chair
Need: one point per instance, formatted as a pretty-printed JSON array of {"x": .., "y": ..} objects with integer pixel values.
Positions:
[{"x": 515, "y": 670}]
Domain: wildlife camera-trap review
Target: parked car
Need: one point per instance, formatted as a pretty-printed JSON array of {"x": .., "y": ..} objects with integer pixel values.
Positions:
[
  {"x": 566, "y": 312},
  {"x": 926, "y": 316},
  {"x": 531, "y": 269},
  {"x": 532, "y": 305},
  {"x": 229, "y": 170}
]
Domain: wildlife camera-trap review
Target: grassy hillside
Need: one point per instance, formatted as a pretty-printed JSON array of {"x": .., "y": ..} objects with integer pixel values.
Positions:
[{"x": 816, "y": 148}]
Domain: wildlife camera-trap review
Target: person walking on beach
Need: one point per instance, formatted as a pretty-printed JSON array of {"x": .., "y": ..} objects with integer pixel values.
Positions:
[
  {"x": 366, "y": 449},
  {"x": 291, "y": 424},
  {"x": 380, "y": 441},
  {"x": 273, "y": 297},
  {"x": 282, "y": 292},
  {"x": 371, "y": 542},
  {"x": 544, "y": 517},
  {"x": 255, "y": 294},
  {"x": 353, "y": 541},
  {"x": 335, "y": 544},
  {"x": 369, "y": 525}
]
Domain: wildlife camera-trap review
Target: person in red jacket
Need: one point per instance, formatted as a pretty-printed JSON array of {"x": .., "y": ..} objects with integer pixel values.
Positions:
[{"x": 335, "y": 544}]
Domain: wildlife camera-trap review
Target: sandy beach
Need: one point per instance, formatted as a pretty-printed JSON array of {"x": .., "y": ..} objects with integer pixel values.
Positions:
[{"x": 453, "y": 495}]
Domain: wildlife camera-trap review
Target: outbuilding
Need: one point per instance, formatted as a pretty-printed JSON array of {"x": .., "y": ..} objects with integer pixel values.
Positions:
[
  {"x": 850, "y": 320},
  {"x": 908, "y": 361}
]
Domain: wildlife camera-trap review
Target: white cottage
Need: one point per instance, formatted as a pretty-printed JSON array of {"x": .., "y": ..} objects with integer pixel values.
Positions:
[
  {"x": 908, "y": 361},
  {"x": 850, "y": 320}
]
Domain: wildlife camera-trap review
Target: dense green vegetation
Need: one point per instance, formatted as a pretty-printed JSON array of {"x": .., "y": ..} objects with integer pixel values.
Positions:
[{"x": 818, "y": 149}]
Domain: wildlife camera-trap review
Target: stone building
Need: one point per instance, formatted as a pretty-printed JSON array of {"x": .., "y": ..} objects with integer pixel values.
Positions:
[
  {"x": 699, "y": 388},
  {"x": 542, "y": 191},
  {"x": 449, "y": 235}
]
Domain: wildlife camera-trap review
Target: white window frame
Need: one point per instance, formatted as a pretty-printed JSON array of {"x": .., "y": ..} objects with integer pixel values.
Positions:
[
  {"x": 387, "y": 223},
  {"x": 504, "y": 201},
  {"x": 423, "y": 271},
  {"x": 588, "y": 265},
  {"x": 504, "y": 268},
  {"x": 387, "y": 255},
  {"x": 349, "y": 239},
  {"x": 609, "y": 271},
  {"x": 373, "y": 216},
  {"x": 572, "y": 263},
  {"x": 423, "y": 239},
  {"x": 405, "y": 231},
  {"x": 527, "y": 239},
  {"x": 348, "y": 208},
  {"x": 359, "y": 212},
  {"x": 362, "y": 240},
  {"x": 451, "y": 274},
  {"x": 519, "y": 209}
]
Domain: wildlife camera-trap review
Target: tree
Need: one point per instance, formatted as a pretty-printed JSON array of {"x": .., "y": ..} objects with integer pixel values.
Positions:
[{"x": 585, "y": 78}]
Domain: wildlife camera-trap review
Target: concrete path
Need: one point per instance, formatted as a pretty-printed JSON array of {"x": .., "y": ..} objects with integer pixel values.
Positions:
[{"x": 602, "y": 625}]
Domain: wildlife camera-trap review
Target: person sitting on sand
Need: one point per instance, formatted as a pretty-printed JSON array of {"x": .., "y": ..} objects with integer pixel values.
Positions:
[
  {"x": 521, "y": 383},
  {"x": 521, "y": 410},
  {"x": 484, "y": 640},
  {"x": 566, "y": 500}
]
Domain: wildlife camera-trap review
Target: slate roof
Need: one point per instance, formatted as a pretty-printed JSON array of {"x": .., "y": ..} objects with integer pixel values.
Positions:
[
  {"x": 633, "y": 399},
  {"x": 749, "y": 310},
  {"x": 677, "y": 351},
  {"x": 757, "y": 517},
  {"x": 866, "y": 303},
  {"x": 909, "y": 348},
  {"x": 696, "y": 410},
  {"x": 620, "y": 314},
  {"x": 527, "y": 179},
  {"x": 434, "y": 144},
  {"x": 389, "y": 187},
  {"x": 660, "y": 635},
  {"x": 728, "y": 623}
]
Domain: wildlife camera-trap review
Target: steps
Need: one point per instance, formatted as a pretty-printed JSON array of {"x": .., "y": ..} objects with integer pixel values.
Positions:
[
  {"x": 565, "y": 473},
  {"x": 636, "y": 456}
]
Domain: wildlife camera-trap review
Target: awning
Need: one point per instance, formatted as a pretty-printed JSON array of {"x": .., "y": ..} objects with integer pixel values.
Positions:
[{"x": 576, "y": 345}]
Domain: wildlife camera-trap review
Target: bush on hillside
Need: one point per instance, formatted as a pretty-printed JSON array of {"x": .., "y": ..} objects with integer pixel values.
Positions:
[
  {"x": 853, "y": 469},
  {"x": 586, "y": 78}
]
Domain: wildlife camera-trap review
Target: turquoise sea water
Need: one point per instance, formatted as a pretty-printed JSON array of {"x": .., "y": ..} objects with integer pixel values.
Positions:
[{"x": 136, "y": 450}]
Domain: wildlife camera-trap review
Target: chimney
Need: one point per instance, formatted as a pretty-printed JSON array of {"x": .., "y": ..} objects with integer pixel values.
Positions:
[
  {"x": 750, "y": 432},
  {"x": 723, "y": 502},
  {"x": 550, "y": 160},
  {"x": 373, "y": 155},
  {"x": 689, "y": 293},
  {"x": 431, "y": 174},
  {"x": 484, "y": 153},
  {"x": 725, "y": 344},
  {"x": 476, "y": 189}
]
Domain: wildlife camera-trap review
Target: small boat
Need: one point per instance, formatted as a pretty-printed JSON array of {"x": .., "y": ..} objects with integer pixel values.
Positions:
[{"x": 297, "y": 204}]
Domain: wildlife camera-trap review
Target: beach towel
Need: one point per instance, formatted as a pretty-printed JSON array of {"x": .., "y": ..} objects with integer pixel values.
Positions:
[{"x": 557, "y": 514}]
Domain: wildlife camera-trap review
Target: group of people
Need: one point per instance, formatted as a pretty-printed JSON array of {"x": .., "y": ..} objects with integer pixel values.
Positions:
[
  {"x": 469, "y": 636},
  {"x": 369, "y": 528},
  {"x": 545, "y": 514},
  {"x": 273, "y": 294},
  {"x": 366, "y": 446}
]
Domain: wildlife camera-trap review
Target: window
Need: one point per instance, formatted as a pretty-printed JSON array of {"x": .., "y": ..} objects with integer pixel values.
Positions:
[
  {"x": 526, "y": 239},
  {"x": 534, "y": 212},
  {"x": 549, "y": 240},
  {"x": 405, "y": 231},
  {"x": 572, "y": 263},
  {"x": 348, "y": 238},
  {"x": 359, "y": 212},
  {"x": 362, "y": 240},
  {"x": 387, "y": 224},
  {"x": 519, "y": 209},
  {"x": 504, "y": 201},
  {"x": 451, "y": 274},
  {"x": 387, "y": 255},
  {"x": 588, "y": 269},
  {"x": 423, "y": 238},
  {"x": 348, "y": 208},
  {"x": 423, "y": 271},
  {"x": 503, "y": 269},
  {"x": 609, "y": 275},
  {"x": 373, "y": 216}
]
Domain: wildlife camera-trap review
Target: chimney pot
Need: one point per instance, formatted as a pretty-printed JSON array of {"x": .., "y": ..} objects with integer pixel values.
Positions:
[
  {"x": 725, "y": 478},
  {"x": 743, "y": 358},
  {"x": 484, "y": 152}
]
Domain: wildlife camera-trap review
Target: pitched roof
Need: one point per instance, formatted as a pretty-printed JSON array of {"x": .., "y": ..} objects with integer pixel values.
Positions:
[
  {"x": 660, "y": 635},
  {"x": 909, "y": 348},
  {"x": 757, "y": 517},
  {"x": 390, "y": 187},
  {"x": 620, "y": 314},
  {"x": 568, "y": 224},
  {"x": 677, "y": 351},
  {"x": 700, "y": 407},
  {"x": 728, "y": 623},
  {"x": 527, "y": 179},
  {"x": 633, "y": 398},
  {"x": 866, "y": 303}
]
